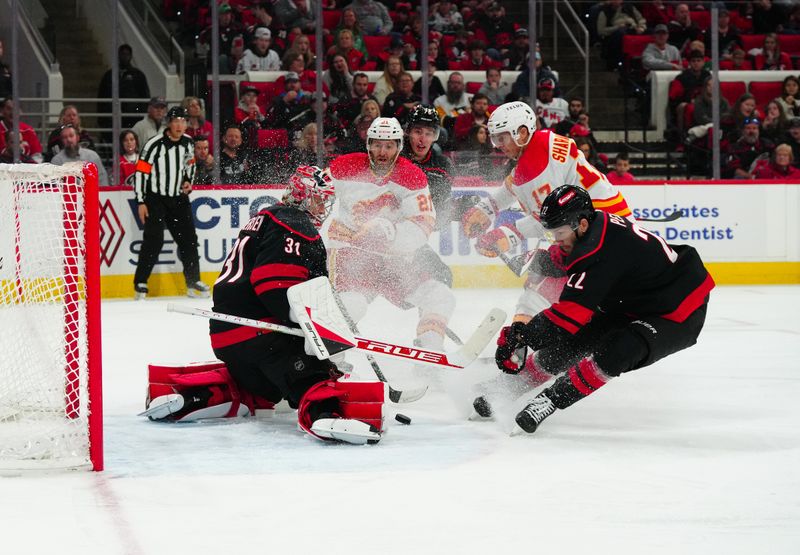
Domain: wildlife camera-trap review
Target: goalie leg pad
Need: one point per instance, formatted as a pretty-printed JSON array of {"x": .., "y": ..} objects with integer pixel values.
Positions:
[{"x": 345, "y": 399}]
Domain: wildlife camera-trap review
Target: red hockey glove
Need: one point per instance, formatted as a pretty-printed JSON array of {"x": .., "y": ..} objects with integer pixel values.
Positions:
[
  {"x": 511, "y": 349},
  {"x": 478, "y": 219},
  {"x": 499, "y": 240}
]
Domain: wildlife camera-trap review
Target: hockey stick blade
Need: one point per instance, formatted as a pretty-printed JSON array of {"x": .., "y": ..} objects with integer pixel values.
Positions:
[{"x": 671, "y": 218}]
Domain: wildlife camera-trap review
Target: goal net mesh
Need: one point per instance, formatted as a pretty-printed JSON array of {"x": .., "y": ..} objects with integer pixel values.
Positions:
[{"x": 44, "y": 368}]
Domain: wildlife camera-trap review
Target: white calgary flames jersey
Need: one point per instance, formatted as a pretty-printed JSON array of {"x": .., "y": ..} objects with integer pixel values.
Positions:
[
  {"x": 401, "y": 197},
  {"x": 549, "y": 161}
]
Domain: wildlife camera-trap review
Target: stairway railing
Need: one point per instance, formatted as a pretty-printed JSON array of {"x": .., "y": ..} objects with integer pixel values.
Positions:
[{"x": 583, "y": 49}]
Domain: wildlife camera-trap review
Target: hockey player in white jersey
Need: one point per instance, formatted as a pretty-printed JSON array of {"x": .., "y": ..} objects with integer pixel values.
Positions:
[{"x": 384, "y": 215}]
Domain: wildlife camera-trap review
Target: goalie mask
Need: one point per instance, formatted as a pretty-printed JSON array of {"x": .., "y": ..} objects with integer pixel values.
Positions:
[
  {"x": 311, "y": 190},
  {"x": 508, "y": 118},
  {"x": 384, "y": 129}
]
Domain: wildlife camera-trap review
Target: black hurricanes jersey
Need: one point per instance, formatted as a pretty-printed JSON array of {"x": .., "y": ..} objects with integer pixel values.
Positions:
[
  {"x": 620, "y": 268},
  {"x": 277, "y": 248}
]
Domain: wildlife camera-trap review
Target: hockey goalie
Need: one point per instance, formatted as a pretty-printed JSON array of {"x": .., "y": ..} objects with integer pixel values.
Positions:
[{"x": 278, "y": 248}]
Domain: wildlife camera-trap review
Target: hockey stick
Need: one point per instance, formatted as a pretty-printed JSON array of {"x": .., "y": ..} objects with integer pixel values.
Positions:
[
  {"x": 395, "y": 395},
  {"x": 671, "y": 218},
  {"x": 326, "y": 340}
]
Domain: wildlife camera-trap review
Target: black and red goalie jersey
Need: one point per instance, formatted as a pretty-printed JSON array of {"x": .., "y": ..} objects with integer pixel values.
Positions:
[
  {"x": 621, "y": 269},
  {"x": 279, "y": 247}
]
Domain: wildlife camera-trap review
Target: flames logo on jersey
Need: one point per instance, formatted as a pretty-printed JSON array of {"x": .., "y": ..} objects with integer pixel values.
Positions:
[{"x": 367, "y": 209}]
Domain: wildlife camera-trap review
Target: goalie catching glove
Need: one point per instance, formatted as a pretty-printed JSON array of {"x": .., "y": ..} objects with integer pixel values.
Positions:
[{"x": 499, "y": 240}]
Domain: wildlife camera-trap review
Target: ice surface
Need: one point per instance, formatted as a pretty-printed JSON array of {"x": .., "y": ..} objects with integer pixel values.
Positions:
[{"x": 699, "y": 453}]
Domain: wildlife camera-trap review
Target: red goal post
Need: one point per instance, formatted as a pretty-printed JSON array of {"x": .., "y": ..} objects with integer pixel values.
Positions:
[{"x": 51, "y": 413}]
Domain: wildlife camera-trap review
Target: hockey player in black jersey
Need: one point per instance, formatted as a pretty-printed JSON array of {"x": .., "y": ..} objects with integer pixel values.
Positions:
[
  {"x": 279, "y": 247},
  {"x": 630, "y": 299}
]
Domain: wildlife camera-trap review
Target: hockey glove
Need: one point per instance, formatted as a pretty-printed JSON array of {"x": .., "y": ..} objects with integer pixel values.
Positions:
[
  {"x": 462, "y": 204},
  {"x": 376, "y": 234},
  {"x": 550, "y": 262},
  {"x": 511, "y": 349},
  {"x": 499, "y": 240},
  {"x": 478, "y": 219}
]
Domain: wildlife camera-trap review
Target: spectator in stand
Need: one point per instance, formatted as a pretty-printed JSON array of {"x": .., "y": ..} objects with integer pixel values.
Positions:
[
  {"x": 71, "y": 151},
  {"x": 768, "y": 16},
  {"x": 445, "y": 18},
  {"x": 386, "y": 83},
  {"x": 304, "y": 152},
  {"x": 551, "y": 109},
  {"x": 681, "y": 29},
  {"x": 264, "y": 16},
  {"x": 297, "y": 13},
  {"x": 338, "y": 78},
  {"x": 476, "y": 59},
  {"x": 792, "y": 138},
  {"x": 790, "y": 97},
  {"x": 196, "y": 123},
  {"x": 293, "y": 62},
  {"x": 409, "y": 56},
  {"x": 775, "y": 124},
  {"x": 659, "y": 54},
  {"x": 231, "y": 40},
  {"x": 621, "y": 174},
  {"x": 657, "y": 12},
  {"x": 617, "y": 19},
  {"x": 792, "y": 27},
  {"x": 7, "y": 152},
  {"x": 203, "y": 161},
  {"x": 69, "y": 114},
  {"x": 729, "y": 37},
  {"x": 590, "y": 153},
  {"x": 128, "y": 156},
  {"x": 350, "y": 23},
  {"x": 5, "y": 76},
  {"x": 349, "y": 108},
  {"x": 395, "y": 48},
  {"x": 345, "y": 47},
  {"x": 494, "y": 87},
  {"x": 30, "y": 145},
  {"x": 745, "y": 109},
  {"x": 152, "y": 123},
  {"x": 248, "y": 112},
  {"x": 235, "y": 163},
  {"x": 435, "y": 87},
  {"x": 455, "y": 101},
  {"x": 521, "y": 88},
  {"x": 132, "y": 84},
  {"x": 369, "y": 111},
  {"x": 575, "y": 108},
  {"x": 373, "y": 17},
  {"x": 686, "y": 86},
  {"x": 357, "y": 137},
  {"x": 475, "y": 157},
  {"x": 702, "y": 113},
  {"x": 435, "y": 55},
  {"x": 302, "y": 45},
  {"x": 583, "y": 129},
  {"x": 287, "y": 107},
  {"x": 771, "y": 57},
  {"x": 260, "y": 57},
  {"x": 478, "y": 115},
  {"x": 740, "y": 155},
  {"x": 402, "y": 100},
  {"x": 737, "y": 62},
  {"x": 778, "y": 166},
  {"x": 497, "y": 29},
  {"x": 516, "y": 57}
]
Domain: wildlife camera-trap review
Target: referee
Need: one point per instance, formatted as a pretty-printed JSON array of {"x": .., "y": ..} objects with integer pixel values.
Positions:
[{"x": 162, "y": 184}]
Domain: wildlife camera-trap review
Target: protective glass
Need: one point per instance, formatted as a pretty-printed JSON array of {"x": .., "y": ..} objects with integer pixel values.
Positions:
[
  {"x": 499, "y": 140},
  {"x": 559, "y": 233}
]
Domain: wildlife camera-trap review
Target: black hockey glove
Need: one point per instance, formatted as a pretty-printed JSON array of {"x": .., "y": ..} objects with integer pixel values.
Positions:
[
  {"x": 549, "y": 263},
  {"x": 461, "y": 204},
  {"x": 512, "y": 349}
]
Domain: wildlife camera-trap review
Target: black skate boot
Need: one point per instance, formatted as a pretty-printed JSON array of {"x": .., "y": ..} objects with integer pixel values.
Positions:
[{"x": 535, "y": 412}]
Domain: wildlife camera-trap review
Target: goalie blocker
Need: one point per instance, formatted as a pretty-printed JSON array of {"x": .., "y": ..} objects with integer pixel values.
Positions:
[{"x": 340, "y": 409}]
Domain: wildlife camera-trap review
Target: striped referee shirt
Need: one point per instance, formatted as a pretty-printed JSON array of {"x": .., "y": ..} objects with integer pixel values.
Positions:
[{"x": 164, "y": 166}]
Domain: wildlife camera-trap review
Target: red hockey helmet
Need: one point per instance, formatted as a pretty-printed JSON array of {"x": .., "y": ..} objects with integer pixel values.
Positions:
[{"x": 311, "y": 189}]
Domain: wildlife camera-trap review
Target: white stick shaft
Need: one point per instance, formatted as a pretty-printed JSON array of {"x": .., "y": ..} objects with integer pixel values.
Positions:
[{"x": 231, "y": 319}]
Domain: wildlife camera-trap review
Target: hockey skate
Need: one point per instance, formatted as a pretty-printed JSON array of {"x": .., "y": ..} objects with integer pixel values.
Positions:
[
  {"x": 198, "y": 290},
  {"x": 535, "y": 413},
  {"x": 163, "y": 406},
  {"x": 140, "y": 291}
]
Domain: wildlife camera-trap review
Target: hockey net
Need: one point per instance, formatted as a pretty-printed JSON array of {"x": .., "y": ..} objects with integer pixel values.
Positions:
[{"x": 50, "y": 378}]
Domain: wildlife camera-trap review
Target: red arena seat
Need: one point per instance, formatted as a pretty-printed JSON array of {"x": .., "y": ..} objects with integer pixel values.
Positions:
[
  {"x": 376, "y": 45},
  {"x": 752, "y": 41},
  {"x": 273, "y": 138},
  {"x": 473, "y": 87},
  {"x": 732, "y": 90},
  {"x": 764, "y": 91},
  {"x": 331, "y": 18}
]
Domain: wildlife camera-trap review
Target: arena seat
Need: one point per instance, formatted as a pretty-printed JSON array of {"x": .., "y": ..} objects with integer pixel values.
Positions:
[
  {"x": 473, "y": 87},
  {"x": 371, "y": 65},
  {"x": 764, "y": 91},
  {"x": 331, "y": 18},
  {"x": 752, "y": 41},
  {"x": 376, "y": 45},
  {"x": 273, "y": 138},
  {"x": 732, "y": 90},
  {"x": 701, "y": 18}
]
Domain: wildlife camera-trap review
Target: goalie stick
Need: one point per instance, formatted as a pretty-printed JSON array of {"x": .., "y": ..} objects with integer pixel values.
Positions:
[{"x": 326, "y": 339}]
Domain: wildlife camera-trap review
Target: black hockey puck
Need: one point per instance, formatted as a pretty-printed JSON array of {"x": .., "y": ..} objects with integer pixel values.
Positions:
[{"x": 402, "y": 418}]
